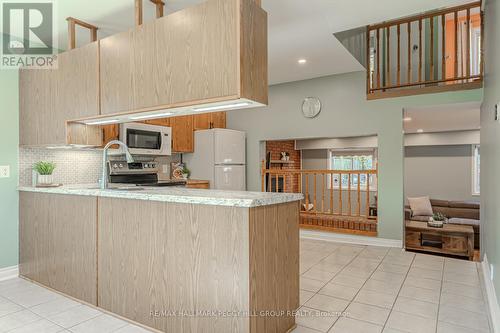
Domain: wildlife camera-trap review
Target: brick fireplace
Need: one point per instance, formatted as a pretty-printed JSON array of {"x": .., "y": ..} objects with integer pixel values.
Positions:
[{"x": 294, "y": 163}]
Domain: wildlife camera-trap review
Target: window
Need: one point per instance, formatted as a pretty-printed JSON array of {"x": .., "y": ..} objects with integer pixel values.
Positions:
[
  {"x": 341, "y": 160},
  {"x": 476, "y": 170}
]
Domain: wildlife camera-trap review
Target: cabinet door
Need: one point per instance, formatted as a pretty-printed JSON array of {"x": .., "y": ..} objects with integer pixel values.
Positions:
[
  {"x": 182, "y": 134},
  {"x": 202, "y": 121},
  {"x": 218, "y": 120},
  {"x": 175, "y": 59},
  {"x": 36, "y": 106},
  {"x": 57, "y": 242},
  {"x": 77, "y": 88},
  {"x": 110, "y": 133},
  {"x": 50, "y": 97}
]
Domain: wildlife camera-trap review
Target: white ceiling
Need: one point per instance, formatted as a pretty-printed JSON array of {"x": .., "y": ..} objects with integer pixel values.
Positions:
[
  {"x": 443, "y": 118},
  {"x": 297, "y": 28}
]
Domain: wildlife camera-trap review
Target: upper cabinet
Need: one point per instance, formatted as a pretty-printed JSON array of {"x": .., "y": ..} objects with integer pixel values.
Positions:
[
  {"x": 209, "y": 121},
  {"x": 50, "y": 97},
  {"x": 212, "y": 52}
]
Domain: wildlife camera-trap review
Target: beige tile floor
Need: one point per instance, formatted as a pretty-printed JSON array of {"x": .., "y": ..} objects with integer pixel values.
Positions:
[
  {"x": 29, "y": 308},
  {"x": 350, "y": 288},
  {"x": 344, "y": 288}
]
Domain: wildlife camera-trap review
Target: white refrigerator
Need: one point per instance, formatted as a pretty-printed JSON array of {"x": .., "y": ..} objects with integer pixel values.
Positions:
[{"x": 219, "y": 157}]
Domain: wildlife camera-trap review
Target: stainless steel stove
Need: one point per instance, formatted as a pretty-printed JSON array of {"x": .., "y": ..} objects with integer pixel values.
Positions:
[{"x": 139, "y": 173}]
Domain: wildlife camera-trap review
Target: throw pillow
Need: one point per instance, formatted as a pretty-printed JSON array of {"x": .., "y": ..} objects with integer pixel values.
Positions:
[{"x": 421, "y": 206}]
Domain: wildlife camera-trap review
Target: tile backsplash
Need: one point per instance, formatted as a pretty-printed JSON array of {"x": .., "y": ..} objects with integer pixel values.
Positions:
[{"x": 74, "y": 166}]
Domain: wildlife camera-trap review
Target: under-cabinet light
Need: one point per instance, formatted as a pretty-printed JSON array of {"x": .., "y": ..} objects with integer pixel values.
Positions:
[
  {"x": 221, "y": 107},
  {"x": 158, "y": 115},
  {"x": 102, "y": 122}
]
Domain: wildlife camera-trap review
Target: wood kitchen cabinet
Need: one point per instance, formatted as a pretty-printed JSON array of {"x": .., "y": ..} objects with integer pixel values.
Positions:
[
  {"x": 209, "y": 120},
  {"x": 50, "y": 97},
  {"x": 211, "y": 52},
  {"x": 58, "y": 242},
  {"x": 182, "y": 134}
]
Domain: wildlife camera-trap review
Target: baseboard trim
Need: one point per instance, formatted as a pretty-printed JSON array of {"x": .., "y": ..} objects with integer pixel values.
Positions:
[
  {"x": 350, "y": 239},
  {"x": 9, "y": 273},
  {"x": 491, "y": 296}
]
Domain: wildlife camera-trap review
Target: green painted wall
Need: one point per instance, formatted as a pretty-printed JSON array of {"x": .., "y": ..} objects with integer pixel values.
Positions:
[
  {"x": 490, "y": 143},
  {"x": 9, "y": 139},
  {"x": 346, "y": 112}
]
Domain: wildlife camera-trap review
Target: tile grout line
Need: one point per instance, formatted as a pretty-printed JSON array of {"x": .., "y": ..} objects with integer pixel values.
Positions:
[
  {"x": 351, "y": 301},
  {"x": 345, "y": 265},
  {"x": 402, "y": 284},
  {"x": 440, "y": 292}
]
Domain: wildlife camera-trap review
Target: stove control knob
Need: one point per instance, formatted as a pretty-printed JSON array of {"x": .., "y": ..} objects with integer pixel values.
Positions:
[
  {"x": 115, "y": 166},
  {"x": 121, "y": 166},
  {"x": 147, "y": 165}
]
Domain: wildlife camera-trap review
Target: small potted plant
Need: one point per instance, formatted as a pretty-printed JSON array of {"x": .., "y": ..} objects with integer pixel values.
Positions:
[
  {"x": 186, "y": 172},
  {"x": 45, "y": 171},
  {"x": 437, "y": 220}
]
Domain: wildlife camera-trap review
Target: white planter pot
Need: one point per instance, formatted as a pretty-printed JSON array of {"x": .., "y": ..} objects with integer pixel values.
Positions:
[{"x": 45, "y": 179}]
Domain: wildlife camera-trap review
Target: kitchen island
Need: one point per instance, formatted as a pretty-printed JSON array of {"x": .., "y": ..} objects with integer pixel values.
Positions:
[{"x": 173, "y": 259}]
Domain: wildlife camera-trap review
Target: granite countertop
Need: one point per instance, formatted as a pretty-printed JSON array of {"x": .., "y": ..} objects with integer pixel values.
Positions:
[{"x": 175, "y": 194}]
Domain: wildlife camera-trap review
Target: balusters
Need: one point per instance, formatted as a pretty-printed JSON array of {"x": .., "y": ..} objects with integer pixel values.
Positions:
[
  {"x": 409, "y": 52},
  {"x": 340, "y": 195},
  {"x": 443, "y": 46},
  {"x": 269, "y": 182},
  {"x": 323, "y": 192},
  {"x": 454, "y": 57},
  {"x": 378, "y": 58},
  {"x": 367, "y": 195},
  {"x": 315, "y": 194},
  {"x": 359, "y": 194},
  {"x": 399, "y": 55},
  {"x": 456, "y": 43},
  {"x": 467, "y": 54},
  {"x": 432, "y": 49},
  {"x": 349, "y": 195},
  {"x": 420, "y": 50},
  {"x": 307, "y": 191},
  {"x": 331, "y": 193},
  {"x": 388, "y": 78}
]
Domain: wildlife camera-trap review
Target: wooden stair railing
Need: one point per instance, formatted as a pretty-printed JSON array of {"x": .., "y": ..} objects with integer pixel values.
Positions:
[
  {"x": 327, "y": 198},
  {"x": 160, "y": 5},
  {"x": 72, "y": 23},
  {"x": 437, "y": 53}
]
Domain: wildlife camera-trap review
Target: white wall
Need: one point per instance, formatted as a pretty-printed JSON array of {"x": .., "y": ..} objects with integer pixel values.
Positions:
[
  {"x": 441, "y": 172},
  {"x": 346, "y": 113},
  {"x": 490, "y": 143}
]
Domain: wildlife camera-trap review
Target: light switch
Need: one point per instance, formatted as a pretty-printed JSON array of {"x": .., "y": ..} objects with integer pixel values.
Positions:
[{"x": 4, "y": 171}]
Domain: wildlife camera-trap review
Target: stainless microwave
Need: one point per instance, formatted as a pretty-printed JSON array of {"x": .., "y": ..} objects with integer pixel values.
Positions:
[{"x": 143, "y": 139}]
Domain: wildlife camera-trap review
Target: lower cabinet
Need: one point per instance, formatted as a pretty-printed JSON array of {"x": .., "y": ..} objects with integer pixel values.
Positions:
[{"x": 58, "y": 242}]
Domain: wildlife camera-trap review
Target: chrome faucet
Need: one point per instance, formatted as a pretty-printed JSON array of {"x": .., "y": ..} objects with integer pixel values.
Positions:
[{"x": 130, "y": 159}]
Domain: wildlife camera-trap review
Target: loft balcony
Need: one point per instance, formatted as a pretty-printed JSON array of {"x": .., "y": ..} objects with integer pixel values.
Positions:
[{"x": 433, "y": 52}]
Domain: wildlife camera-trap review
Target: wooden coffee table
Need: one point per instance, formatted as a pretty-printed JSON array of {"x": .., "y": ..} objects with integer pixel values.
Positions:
[{"x": 452, "y": 239}]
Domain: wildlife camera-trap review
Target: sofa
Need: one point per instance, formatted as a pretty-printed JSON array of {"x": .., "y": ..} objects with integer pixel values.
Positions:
[{"x": 457, "y": 212}]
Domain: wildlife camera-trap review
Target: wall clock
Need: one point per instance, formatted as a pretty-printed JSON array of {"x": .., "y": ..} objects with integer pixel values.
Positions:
[{"x": 311, "y": 107}]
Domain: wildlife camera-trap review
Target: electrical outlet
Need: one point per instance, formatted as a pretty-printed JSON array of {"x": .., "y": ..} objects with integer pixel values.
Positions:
[
  {"x": 4, "y": 171},
  {"x": 166, "y": 169}
]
